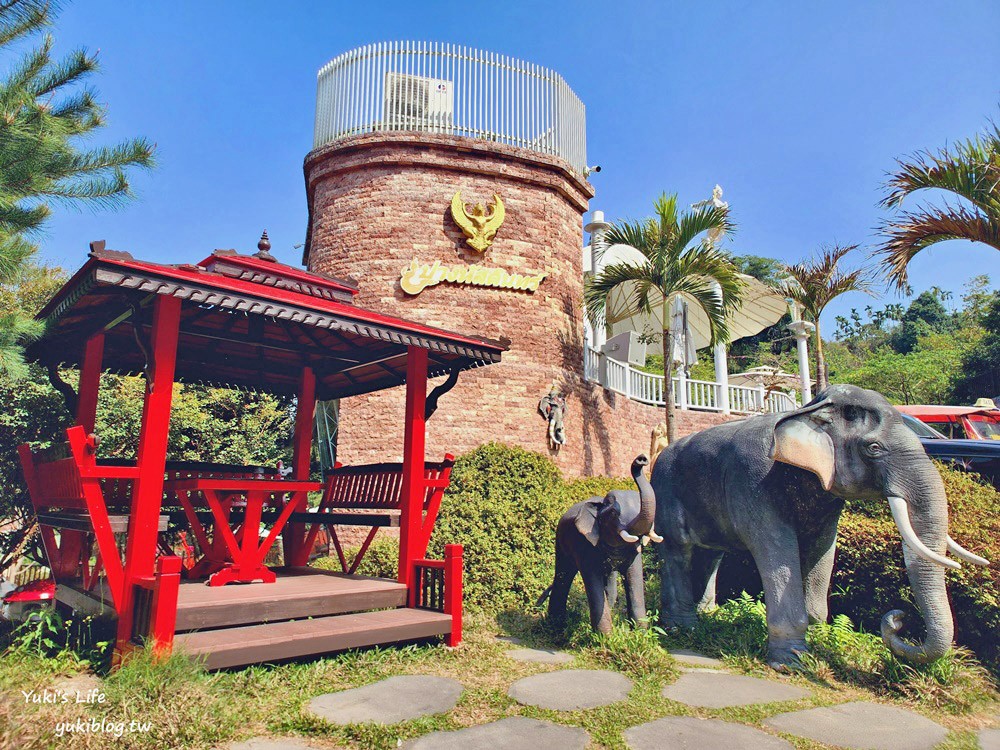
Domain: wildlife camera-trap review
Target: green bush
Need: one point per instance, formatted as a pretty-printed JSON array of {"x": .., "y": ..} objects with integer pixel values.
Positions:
[{"x": 502, "y": 506}]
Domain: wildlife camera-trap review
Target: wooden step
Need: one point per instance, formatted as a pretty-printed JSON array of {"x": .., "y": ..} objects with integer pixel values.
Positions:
[
  {"x": 296, "y": 594},
  {"x": 254, "y": 644}
]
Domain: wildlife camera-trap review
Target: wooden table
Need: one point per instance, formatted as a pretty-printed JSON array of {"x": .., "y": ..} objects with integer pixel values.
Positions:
[{"x": 245, "y": 555}]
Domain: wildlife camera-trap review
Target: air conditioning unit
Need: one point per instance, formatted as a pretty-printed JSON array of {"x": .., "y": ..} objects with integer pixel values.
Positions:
[
  {"x": 418, "y": 103},
  {"x": 626, "y": 347}
]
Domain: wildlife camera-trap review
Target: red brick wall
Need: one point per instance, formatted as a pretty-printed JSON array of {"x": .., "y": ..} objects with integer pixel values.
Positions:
[{"x": 376, "y": 201}]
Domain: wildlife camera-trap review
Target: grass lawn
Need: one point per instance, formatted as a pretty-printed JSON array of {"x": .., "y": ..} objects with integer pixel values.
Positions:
[{"x": 187, "y": 708}]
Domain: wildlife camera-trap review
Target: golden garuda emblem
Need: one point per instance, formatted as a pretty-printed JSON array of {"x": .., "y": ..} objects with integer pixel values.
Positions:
[{"x": 477, "y": 225}]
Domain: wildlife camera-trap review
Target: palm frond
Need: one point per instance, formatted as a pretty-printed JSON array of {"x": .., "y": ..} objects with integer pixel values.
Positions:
[
  {"x": 970, "y": 170},
  {"x": 913, "y": 232},
  {"x": 698, "y": 221},
  {"x": 816, "y": 282},
  {"x": 598, "y": 288}
]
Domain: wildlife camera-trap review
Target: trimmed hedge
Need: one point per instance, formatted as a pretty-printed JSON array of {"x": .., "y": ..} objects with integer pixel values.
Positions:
[{"x": 503, "y": 505}]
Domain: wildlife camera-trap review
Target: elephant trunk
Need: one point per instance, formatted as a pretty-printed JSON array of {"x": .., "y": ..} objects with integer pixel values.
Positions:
[
  {"x": 642, "y": 524},
  {"x": 921, "y": 514}
]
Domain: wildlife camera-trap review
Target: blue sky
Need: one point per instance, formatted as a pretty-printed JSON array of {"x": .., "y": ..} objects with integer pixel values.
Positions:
[{"x": 797, "y": 109}]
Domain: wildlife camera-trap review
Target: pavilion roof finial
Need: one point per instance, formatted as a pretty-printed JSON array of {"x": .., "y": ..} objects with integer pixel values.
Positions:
[{"x": 263, "y": 249}]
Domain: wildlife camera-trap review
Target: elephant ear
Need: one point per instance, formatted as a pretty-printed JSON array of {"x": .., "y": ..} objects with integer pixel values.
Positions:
[
  {"x": 586, "y": 522},
  {"x": 800, "y": 440}
]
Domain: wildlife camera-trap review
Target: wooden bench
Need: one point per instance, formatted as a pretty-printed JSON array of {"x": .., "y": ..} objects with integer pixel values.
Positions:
[
  {"x": 64, "y": 483},
  {"x": 371, "y": 495}
]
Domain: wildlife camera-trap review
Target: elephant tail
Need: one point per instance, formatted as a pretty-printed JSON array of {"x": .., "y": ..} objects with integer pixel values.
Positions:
[{"x": 543, "y": 597}]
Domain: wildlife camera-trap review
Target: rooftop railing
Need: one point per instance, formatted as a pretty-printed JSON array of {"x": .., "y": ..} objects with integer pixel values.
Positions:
[{"x": 447, "y": 88}]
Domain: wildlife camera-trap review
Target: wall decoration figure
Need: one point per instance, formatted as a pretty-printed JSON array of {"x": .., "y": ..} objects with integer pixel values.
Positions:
[
  {"x": 553, "y": 408},
  {"x": 478, "y": 225},
  {"x": 657, "y": 442}
]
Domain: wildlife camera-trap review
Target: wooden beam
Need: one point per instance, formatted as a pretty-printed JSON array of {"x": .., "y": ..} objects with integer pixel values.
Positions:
[
  {"x": 305, "y": 407},
  {"x": 414, "y": 488},
  {"x": 90, "y": 381},
  {"x": 147, "y": 492}
]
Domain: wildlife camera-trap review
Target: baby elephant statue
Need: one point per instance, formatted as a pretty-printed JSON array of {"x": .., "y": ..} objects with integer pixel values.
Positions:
[{"x": 600, "y": 538}]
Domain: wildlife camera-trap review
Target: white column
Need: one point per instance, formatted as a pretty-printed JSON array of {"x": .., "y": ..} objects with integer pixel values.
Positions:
[
  {"x": 682, "y": 390},
  {"x": 721, "y": 376},
  {"x": 597, "y": 228},
  {"x": 802, "y": 330}
]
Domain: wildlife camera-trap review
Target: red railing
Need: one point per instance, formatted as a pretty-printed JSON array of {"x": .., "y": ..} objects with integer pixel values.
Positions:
[{"x": 437, "y": 585}]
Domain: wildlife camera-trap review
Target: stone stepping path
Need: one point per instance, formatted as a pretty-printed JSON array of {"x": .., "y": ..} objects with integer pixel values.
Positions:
[
  {"x": 989, "y": 739},
  {"x": 688, "y": 733},
  {"x": 271, "y": 743},
  {"x": 711, "y": 689},
  {"x": 540, "y": 656},
  {"x": 514, "y": 733},
  {"x": 862, "y": 726},
  {"x": 694, "y": 659},
  {"x": 571, "y": 689},
  {"x": 389, "y": 701}
]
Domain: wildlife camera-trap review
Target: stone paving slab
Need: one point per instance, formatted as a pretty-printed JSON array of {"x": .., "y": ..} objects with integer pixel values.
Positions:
[
  {"x": 862, "y": 726},
  {"x": 513, "y": 733},
  {"x": 689, "y": 733},
  {"x": 709, "y": 689},
  {"x": 509, "y": 639},
  {"x": 540, "y": 655},
  {"x": 388, "y": 701},
  {"x": 271, "y": 743},
  {"x": 694, "y": 659},
  {"x": 989, "y": 739},
  {"x": 571, "y": 689}
]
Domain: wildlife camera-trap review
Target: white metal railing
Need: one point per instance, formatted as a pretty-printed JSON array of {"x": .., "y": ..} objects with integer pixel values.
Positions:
[
  {"x": 449, "y": 88},
  {"x": 703, "y": 395}
]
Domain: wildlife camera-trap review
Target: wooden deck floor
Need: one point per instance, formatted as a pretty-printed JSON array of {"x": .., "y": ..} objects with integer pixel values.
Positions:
[{"x": 297, "y": 593}]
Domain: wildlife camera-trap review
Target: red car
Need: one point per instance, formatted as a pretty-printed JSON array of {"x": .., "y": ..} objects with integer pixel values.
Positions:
[{"x": 959, "y": 422}]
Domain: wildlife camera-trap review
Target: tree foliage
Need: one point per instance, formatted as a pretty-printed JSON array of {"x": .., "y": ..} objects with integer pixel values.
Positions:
[
  {"x": 815, "y": 283},
  {"x": 924, "y": 353},
  {"x": 46, "y": 118}
]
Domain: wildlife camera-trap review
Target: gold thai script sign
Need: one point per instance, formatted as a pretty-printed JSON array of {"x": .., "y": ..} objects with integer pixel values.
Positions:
[{"x": 418, "y": 276}]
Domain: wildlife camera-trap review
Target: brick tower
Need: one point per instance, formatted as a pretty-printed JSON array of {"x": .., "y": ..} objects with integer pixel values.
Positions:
[{"x": 400, "y": 130}]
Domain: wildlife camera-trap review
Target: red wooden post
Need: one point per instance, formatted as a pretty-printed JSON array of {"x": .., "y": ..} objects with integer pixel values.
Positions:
[
  {"x": 147, "y": 492},
  {"x": 293, "y": 538},
  {"x": 453, "y": 591},
  {"x": 163, "y": 619},
  {"x": 414, "y": 486},
  {"x": 90, "y": 381}
]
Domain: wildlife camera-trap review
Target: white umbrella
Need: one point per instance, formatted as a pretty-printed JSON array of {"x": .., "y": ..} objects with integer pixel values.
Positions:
[
  {"x": 685, "y": 353},
  {"x": 762, "y": 306}
]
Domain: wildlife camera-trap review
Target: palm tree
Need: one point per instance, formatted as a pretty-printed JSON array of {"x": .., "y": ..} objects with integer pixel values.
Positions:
[
  {"x": 678, "y": 260},
  {"x": 970, "y": 171},
  {"x": 814, "y": 284}
]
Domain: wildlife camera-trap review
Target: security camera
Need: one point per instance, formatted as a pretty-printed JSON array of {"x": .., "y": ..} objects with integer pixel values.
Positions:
[{"x": 587, "y": 170}]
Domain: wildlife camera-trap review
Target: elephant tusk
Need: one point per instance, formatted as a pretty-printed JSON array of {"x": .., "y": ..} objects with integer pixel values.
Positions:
[
  {"x": 645, "y": 540},
  {"x": 962, "y": 553},
  {"x": 630, "y": 538},
  {"x": 901, "y": 515},
  {"x": 653, "y": 536}
]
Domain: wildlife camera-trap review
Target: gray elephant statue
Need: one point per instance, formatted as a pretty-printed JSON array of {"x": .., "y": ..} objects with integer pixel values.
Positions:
[
  {"x": 600, "y": 538},
  {"x": 775, "y": 485}
]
